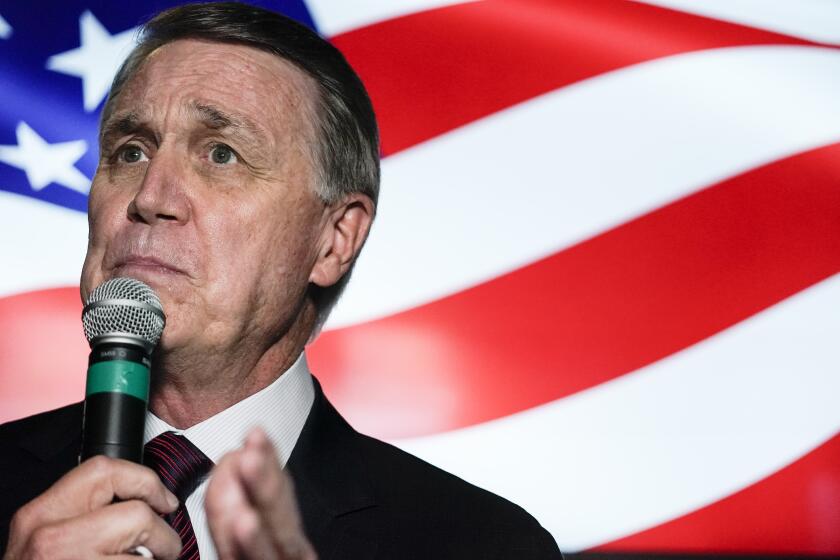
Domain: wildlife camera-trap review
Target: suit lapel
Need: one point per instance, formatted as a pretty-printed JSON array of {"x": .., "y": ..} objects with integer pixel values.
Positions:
[
  {"x": 37, "y": 451},
  {"x": 330, "y": 479},
  {"x": 331, "y": 483},
  {"x": 55, "y": 434}
]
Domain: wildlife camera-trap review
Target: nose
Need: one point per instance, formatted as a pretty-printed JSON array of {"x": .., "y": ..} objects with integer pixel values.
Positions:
[{"x": 162, "y": 196}]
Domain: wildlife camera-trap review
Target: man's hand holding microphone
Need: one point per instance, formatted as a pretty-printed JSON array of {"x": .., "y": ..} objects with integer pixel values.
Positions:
[{"x": 112, "y": 506}]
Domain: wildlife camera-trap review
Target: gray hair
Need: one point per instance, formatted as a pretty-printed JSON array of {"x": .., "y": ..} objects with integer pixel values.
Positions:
[{"x": 347, "y": 150}]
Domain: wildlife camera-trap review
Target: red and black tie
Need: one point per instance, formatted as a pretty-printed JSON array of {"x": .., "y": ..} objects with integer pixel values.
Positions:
[{"x": 182, "y": 467}]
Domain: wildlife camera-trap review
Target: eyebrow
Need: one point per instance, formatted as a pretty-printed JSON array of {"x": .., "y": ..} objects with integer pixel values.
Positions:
[
  {"x": 216, "y": 119},
  {"x": 120, "y": 125},
  {"x": 211, "y": 117}
]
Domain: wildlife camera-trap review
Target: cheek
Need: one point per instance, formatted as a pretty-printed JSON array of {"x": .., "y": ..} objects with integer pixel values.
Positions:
[
  {"x": 264, "y": 254},
  {"x": 95, "y": 249},
  {"x": 104, "y": 213},
  {"x": 107, "y": 205}
]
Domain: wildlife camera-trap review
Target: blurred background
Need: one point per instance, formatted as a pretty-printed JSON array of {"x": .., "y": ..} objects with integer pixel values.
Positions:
[{"x": 603, "y": 281}]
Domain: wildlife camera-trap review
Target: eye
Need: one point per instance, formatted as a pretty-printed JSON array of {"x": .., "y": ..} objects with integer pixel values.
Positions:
[
  {"x": 222, "y": 154},
  {"x": 132, "y": 153}
]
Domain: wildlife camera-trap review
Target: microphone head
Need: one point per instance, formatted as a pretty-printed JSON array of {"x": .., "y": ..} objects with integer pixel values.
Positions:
[{"x": 123, "y": 310}]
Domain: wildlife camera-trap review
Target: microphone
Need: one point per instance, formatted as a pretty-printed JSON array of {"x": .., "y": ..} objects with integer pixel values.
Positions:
[{"x": 123, "y": 320}]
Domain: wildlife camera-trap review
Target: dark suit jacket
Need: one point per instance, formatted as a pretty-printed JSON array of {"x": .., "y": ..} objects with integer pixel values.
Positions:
[{"x": 359, "y": 497}]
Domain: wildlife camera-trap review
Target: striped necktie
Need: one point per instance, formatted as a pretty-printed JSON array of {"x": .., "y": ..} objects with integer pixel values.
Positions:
[{"x": 182, "y": 467}]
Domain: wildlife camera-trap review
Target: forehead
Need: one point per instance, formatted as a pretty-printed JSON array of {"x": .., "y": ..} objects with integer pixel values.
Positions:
[{"x": 241, "y": 80}]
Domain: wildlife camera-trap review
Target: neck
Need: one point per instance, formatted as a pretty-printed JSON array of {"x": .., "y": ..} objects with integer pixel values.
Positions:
[{"x": 189, "y": 387}]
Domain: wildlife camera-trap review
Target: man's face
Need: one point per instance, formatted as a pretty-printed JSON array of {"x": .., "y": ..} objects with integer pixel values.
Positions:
[{"x": 205, "y": 191}]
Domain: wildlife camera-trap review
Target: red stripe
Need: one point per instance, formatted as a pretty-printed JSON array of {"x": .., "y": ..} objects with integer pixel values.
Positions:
[
  {"x": 794, "y": 511},
  {"x": 172, "y": 444},
  {"x": 187, "y": 461},
  {"x": 31, "y": 379},
  {"x": 194, "y": 459},
  {"x": 175, "y": 459},
  {"x": 173, "y": 468},
  {"x": 155, "y": 449},
  {"x": 179, "y": 517},
  {"x": 436, "y": 70},
  {"x": 172, "y": 483},
  {"x": 605, "y": 307},
  {"x": 600, "y": 309},
  {"x": 163, "y": 464}
]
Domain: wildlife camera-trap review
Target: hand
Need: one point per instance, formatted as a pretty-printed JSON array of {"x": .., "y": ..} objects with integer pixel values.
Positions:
[
  {"x": 251, "y": 507},
  {"x": 78, "y": 518}
]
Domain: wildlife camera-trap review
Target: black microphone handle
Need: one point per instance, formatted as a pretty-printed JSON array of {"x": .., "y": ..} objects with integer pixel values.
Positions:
[{"x": 116, "y": 399}]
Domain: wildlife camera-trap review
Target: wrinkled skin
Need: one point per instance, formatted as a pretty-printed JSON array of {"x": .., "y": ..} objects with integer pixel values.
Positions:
[
  {"x": 206, "y": 192},
  {"x": 222, "y": 221}
]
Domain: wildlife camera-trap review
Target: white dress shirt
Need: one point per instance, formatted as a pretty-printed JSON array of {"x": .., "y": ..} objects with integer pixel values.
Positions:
[{"x": 280, "y": 410}]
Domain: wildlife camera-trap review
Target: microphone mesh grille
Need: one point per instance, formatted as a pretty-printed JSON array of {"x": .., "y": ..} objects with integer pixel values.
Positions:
[{"x": 123, "y": 306}]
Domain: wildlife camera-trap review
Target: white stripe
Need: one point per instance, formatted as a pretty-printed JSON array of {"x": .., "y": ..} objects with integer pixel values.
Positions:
[
  {"x": 5, "y": 29},
  {"x": 517, "y": 186},
  {"x": 41, "y": 245},
  {"x": 814, "y": 20},
  {"x": 667, "y": 439},
  {"x": 337, "y": 16}
]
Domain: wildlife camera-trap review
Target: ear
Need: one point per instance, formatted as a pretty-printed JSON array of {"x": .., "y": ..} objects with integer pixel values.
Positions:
[{"x": 345, "y": 231}]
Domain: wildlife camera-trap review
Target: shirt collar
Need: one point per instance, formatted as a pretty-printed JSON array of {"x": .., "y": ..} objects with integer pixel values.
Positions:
[{"x": 280, "y": 410}]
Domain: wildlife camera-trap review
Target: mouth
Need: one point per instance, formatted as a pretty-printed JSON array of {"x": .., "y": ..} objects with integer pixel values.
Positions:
[{"x": 135, "y": 265}]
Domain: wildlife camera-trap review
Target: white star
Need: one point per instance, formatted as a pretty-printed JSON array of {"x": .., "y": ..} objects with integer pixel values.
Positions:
[
  {"x": 96, "y": 60},
  {"x": 5, "y": 29},
  {"x": 46, "y": 163}
]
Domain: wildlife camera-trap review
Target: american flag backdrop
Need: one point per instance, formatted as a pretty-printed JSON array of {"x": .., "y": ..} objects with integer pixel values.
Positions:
[{"x": 603, "y": 281}]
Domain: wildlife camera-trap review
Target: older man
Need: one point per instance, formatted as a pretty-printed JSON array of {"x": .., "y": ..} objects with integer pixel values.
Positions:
[{"x": 238, "y": 177}]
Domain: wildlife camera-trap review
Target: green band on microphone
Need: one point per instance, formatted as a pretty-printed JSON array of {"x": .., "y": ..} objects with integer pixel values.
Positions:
[{"x": 118, "y": 376}]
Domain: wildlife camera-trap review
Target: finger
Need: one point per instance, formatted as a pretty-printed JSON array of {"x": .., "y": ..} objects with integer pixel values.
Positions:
[
  {"x": 251, "y": 508},
  {"x": 224, "y": 502},
  {"x": 114, "y": 529},
  {"x": 272, "y": 494},
  {"x": 251, "y": 539},
  {"x": 264, "y": 479},
  {"x": 124, "y": 526},
  {"x": 96, "y": 483}
]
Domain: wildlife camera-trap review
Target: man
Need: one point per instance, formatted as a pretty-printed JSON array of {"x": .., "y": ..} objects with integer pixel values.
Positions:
[{"x": 238, "y": 177}]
